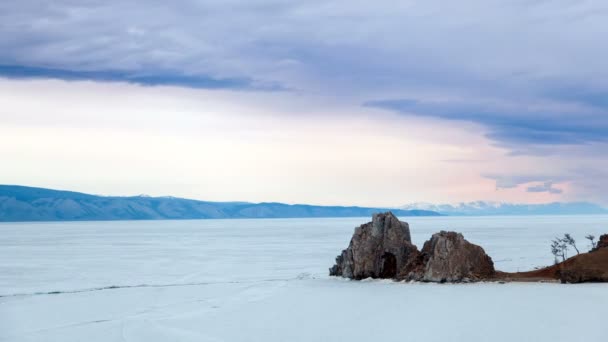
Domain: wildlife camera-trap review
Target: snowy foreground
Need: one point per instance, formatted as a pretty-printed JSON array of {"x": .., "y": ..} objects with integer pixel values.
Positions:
[{"x": 266, "y": 280}]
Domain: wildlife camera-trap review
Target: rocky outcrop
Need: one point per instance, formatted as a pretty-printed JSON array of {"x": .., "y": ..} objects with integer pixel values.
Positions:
[
  {"x": 601, "y": 243},
  {"x": 383, "y": 249},
  {"x": 448, "y": 257},
  {"x": 378, "y": 249}
]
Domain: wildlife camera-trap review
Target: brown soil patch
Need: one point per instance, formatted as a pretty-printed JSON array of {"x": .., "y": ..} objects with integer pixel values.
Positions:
[{"x": 586, "y": 267}]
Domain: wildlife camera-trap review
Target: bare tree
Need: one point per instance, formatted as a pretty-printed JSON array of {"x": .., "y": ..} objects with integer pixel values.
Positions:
[
  {"x": 559, "y": 246},
  {"x": 555, "y": 250},
  {"x": 591, "y": 238},
  {"x": 569, "y": 240},
  {"x": 559, "y": 249}
]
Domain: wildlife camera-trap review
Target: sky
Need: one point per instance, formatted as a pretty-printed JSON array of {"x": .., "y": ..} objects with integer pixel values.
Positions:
[{"x": 377, "y": 103}]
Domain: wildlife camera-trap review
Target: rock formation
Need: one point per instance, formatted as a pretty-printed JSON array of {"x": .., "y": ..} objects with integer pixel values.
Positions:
[
  {"x": 378, "y": 249},
  {"x": 448, "y": 257},
  {"x": 383, "y": 249}
]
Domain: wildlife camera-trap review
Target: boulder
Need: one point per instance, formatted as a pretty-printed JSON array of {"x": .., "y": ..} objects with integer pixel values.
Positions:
[
  {"x": 378, "y": 249},
  {"x": 448, "y": 257}
]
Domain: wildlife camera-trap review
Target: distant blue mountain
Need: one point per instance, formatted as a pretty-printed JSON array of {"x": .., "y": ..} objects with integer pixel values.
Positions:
[
  {"x": 483, "y": 208},
  {"x": 21, "y": 203}
]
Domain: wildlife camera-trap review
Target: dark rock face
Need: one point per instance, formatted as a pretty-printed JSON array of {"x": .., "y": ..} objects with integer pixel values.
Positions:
[
  {"x": 448, "y": 257},
  {"x": 378, "y": 249},
  {"x": 601, "y": 243}
]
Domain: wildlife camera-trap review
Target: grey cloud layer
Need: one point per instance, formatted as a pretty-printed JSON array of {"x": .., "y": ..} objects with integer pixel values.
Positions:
[
  {"x": 514, "y": 123},
  {"x": 433, "y": 47},
  {"x": 533, "y": 73}
]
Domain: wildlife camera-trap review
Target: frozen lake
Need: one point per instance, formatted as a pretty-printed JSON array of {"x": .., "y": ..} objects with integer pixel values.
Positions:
[{"x": 267, "y": 280}]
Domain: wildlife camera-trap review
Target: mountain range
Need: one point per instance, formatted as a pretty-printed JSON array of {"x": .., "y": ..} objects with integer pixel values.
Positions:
[
  {"x": 21, "y": 203},
  {"x": 484, "y": 208}
]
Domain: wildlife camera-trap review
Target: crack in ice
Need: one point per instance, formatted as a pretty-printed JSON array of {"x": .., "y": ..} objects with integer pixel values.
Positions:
[{"x": 116, "y": 287}]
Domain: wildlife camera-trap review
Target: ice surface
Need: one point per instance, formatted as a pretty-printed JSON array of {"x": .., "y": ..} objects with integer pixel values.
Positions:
[{"x": 266, "y": 280}]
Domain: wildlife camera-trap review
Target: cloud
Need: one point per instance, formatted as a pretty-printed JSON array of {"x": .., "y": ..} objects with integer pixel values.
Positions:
[
  {"x": 156, "y": 78},
  {"x": 510, "y": 181},
  {"x": 579, "y": 93},
  {"x": 545, "y": 187},
  {"x": 530, "y": 74},
  {"x": 514, "y": 67},
  {"x": 513, "y": 124},
  {"x": 355, "y": 49},
  {"x": 584, "y": 182}
]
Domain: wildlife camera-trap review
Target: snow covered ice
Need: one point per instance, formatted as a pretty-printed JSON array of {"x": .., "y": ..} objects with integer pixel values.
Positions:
[{"x": 267, "y": 280}]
